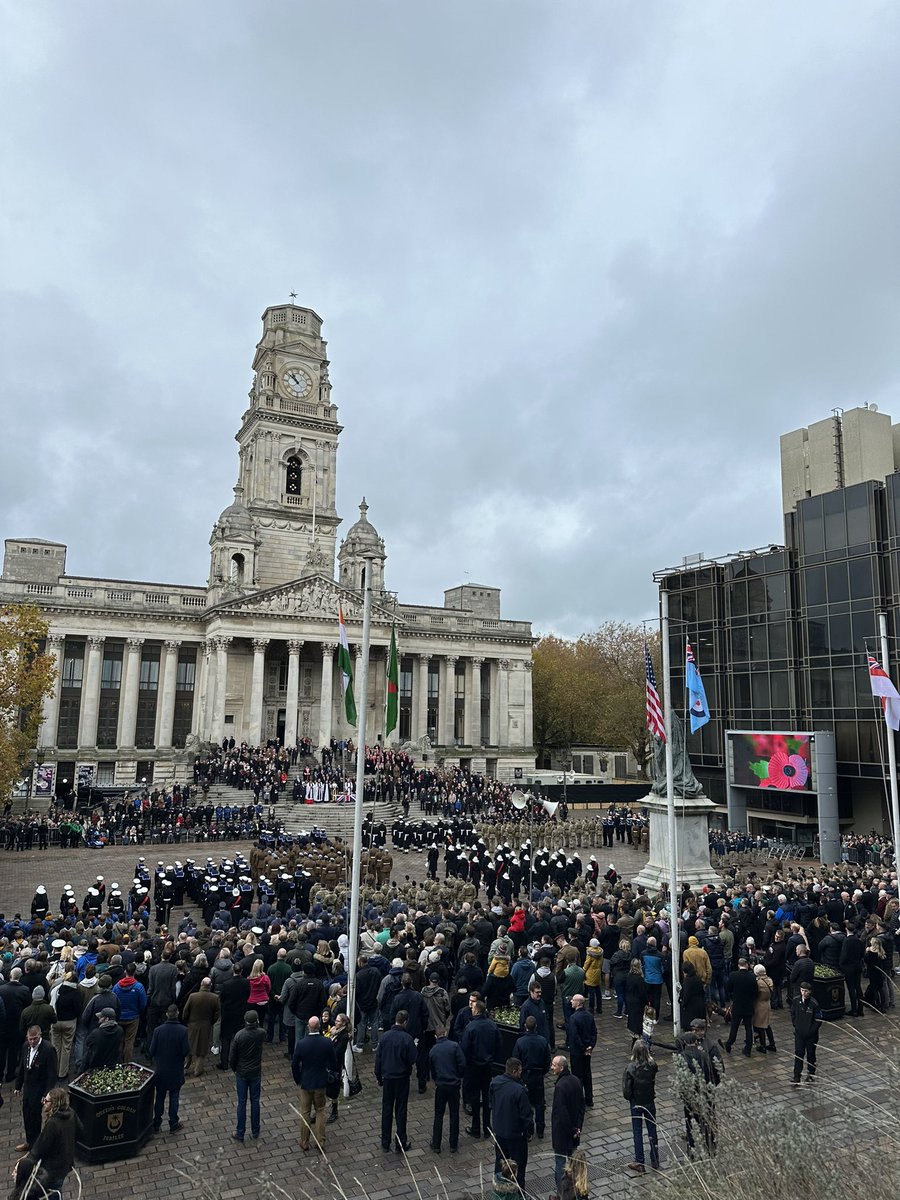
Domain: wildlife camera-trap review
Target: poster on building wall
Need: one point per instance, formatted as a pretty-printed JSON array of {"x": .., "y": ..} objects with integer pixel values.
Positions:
[
  {"x": 85, "y": 779},
  {"x": 19, "y": 790},
  {"x": 771, "y": 760},
  {"x": 43, "y": 779}
]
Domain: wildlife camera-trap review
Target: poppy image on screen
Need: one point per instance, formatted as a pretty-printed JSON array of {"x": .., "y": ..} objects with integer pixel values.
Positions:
[{"x": 772, "y": 760}]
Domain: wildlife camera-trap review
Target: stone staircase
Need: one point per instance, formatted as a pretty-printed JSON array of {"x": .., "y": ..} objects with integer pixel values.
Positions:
[{"x": 335, "y": 819}]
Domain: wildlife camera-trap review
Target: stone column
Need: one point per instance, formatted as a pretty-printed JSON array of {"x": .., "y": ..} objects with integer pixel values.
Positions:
[
  {"x": 503, "y": 702},
  {"x": 254, "y": 729},
  {"x": 448, "y": 700},
  {"x": 167, "y": 699},
  {"x": 326, "y": 697},
  {"x": 293, "y": 692},
  {"x": 130, "y": 685},
  {"x": 528, "y": 731},
  {"x": 420, "y": 697},
  {"x": 90, "y": 696},
  {"x": 198, "y": 708},
  {"x": 221, "y": 645},
  {"x": 473, "y": 701},
  {"x": 50, "y": 716}
]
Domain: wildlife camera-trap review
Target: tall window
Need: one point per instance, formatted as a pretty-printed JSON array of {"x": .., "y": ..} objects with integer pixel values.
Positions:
[
  {"x": 294, "y": 476},
  {"x": 110, "y": 684},
  {"x": 148, "y": 686},
  {"x": 70, "y": 695},
  {"x": 184, "y": 696}
]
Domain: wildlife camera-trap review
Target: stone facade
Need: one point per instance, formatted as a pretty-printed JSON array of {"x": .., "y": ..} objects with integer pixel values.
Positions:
[{"x": 147, "y": 672}]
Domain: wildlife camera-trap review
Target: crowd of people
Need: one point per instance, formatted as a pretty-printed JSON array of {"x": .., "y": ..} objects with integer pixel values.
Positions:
[{"x": 482, "y": 980}]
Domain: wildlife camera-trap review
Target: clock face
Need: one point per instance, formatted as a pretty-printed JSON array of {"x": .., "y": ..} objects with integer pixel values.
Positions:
[{"x": 297, "y": 382}]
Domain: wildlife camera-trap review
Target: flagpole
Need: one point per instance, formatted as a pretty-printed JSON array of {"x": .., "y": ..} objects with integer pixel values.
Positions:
[
  {"x": 892, "y": 749},
  {"x": 363, "y": 694},
  {"x": 674, "y": 906}
]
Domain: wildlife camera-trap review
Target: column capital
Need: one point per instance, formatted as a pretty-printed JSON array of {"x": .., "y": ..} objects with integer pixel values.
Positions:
[
  {"x": 260, "y": 643},
  {"x": 503, "y": 664},
  {"x": 295, "y": 645},
  {"x": 55, "y": 641},
  {"x": 476, "y": 662},
  {"x": 96, "y": 640},
  {"x": 173, "y": 643},
  {"x": 222, "y": 641},
  {"x": 451, "y": 659},
  {"x": 328, "y": 648},
  {"x": 528, "y": 664},
  {"x": 424, "y": 658}
]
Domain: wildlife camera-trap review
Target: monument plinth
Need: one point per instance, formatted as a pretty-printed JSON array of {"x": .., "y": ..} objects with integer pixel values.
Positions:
[{"x": 692, "y": 812}]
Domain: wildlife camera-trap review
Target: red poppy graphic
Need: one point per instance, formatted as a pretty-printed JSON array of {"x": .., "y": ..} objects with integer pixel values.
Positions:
[{"x": 786, "y": 771}]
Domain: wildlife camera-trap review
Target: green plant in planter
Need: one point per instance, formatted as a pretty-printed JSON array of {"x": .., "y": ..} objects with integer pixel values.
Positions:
[
  {"x": 110, "y": 1080},
  {"x": 506, "y": 1016},
  {"x": 823, "y": 972}
]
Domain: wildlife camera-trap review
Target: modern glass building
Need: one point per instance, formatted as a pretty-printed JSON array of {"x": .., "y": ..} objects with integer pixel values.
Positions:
[{"x": 781, "y": 633}]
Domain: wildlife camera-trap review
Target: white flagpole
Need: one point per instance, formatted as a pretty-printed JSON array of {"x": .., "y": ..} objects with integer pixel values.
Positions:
[
  {"x": 362, "y": 695},
  {"x": 674, "y": 906},
  {"x": 892, "y": 749}
]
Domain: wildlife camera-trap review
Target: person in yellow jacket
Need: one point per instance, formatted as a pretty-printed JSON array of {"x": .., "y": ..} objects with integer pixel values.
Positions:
[
  {"x": 699, "y": 959},
  {"x": 593, "y": 976}
]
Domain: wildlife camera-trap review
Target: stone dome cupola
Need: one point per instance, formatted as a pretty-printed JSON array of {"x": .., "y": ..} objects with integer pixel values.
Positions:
[
  {"x": 360, "y": 547},
  {"x": 233, "y": 546}
]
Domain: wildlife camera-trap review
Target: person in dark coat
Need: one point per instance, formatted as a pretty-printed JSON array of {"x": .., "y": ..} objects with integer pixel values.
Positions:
[
  {"x": 852, "y": 953},
  {"x": 533, "y": 1051},
  {"x": 693, "y": 999},
  {"x": 36, "y": 1075},
  {"x": 314, "y": 1058},
  {"x": 245, "y": 1059},
  {"x": 582, "y": 1040},
  {"x": 806, "y": 1017},
  {"x": 742, "y": 985},
  {"x": 169, "y": 1047},
  {"x": 447, "y": 1063},
  {"x": 478, "y": 1042},
  {"x": 394, "y": 1060},
  {"x": 103, "y": 1045},
  {"x": 566, "y": 1116},
  {"x": 54, "y": 1146},
  {"x": 512, "y": 1120},
  {"x": 14, "y": 996},
  {"x": 639, "y": 1089},
  {"x": 234, "y": 995},
  {"x": 635, "y": 998}
]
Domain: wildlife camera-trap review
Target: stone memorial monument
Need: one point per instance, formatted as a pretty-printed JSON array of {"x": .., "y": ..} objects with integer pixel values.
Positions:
[{"x": 692, "y": 813}]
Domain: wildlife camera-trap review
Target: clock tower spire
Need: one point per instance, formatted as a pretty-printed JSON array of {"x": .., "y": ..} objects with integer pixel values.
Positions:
[{"x": 288, "y": 443}]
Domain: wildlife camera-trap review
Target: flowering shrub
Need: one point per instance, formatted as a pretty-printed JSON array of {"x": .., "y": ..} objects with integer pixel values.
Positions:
[
  {"x": 506, "y": 1016},
  {"x": 109, "y": 1080},
  {"x": 823, "y": 972}
]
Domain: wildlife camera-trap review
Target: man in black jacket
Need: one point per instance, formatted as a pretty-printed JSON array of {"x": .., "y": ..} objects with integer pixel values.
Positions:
[
  {"x": 533, "y": 1051},
  {"x": 582, "y": 1040},
  {"x": 447, "y": 1063},
  {"x": 368, "y": 981},
  {"x": 103, "y": 1046},
  {"x": 245, "y": 1059},
  {"x": 742, "y": 985},
  {"x": 566, "y": 1116},
  {"x": 806, "y": 1017},
  {"x": 511, "y": 1120},
  {"x": 314, "y": 1058},
  {"x": 394, "y": 1061},
  {"x": 234, "y": 996},
  {"x": 35, "y": 1077},
  {"x": 478, "y": 1042},
  {"x": 851, "y": 962}
]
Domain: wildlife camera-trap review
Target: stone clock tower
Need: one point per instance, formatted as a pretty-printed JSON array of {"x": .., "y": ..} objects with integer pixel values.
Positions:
[{"x": 283, "y": 521}]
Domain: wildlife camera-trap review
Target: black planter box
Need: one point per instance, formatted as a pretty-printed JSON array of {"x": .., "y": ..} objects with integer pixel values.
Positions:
[
  {"x": 507, "y": 1036},
  {"x": 829, "y": 995},
  {"x": 113, "y": 1126}
]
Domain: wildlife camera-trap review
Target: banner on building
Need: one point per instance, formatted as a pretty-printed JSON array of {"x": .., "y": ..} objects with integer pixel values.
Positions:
[
  {"x": 85, "y": 776},
  {"x": 43, "y": 779}
]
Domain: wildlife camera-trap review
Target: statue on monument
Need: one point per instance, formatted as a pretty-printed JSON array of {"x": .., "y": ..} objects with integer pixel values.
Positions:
[{"x": 686, "y": 784}]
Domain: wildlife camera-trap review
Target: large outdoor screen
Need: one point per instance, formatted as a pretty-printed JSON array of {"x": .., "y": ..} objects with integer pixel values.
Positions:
[{"x": 772, "y": 760}]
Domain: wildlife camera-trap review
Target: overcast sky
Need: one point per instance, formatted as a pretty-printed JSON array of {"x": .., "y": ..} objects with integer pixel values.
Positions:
[{"x": 580, "y": 265}]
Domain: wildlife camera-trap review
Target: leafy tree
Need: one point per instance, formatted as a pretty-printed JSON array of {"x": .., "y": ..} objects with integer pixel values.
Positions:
[
  {"x": 591, "y": 691},
  {"x": 27, "y": 675}
]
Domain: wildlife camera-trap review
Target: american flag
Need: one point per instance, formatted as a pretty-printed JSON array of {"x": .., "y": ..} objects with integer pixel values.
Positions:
[{"x": 655, "y": 721}]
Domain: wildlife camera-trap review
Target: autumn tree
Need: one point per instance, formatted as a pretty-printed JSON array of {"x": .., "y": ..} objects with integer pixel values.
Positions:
[
  {"x": 591, "y": 691},
  {"x": 27, "y": 675}
]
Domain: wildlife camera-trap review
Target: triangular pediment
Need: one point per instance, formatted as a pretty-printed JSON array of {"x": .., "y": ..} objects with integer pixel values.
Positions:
[{"x": 314, "y": 596}]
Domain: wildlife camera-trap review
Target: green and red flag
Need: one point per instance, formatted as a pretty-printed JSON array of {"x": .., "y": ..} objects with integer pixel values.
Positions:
[
  {"x": 393, "y": 687},
  {"x": 346, "y": 670}
]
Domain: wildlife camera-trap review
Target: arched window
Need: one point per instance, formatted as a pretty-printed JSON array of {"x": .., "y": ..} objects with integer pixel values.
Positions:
[
  {"x": 237, "y": 568},
  {"x": 294, "y": 476},
  {"x": 362, "y": 579}
]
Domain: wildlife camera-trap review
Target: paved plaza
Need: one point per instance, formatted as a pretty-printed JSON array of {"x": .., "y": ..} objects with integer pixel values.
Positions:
[{"x": 850, "y": 1055}]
